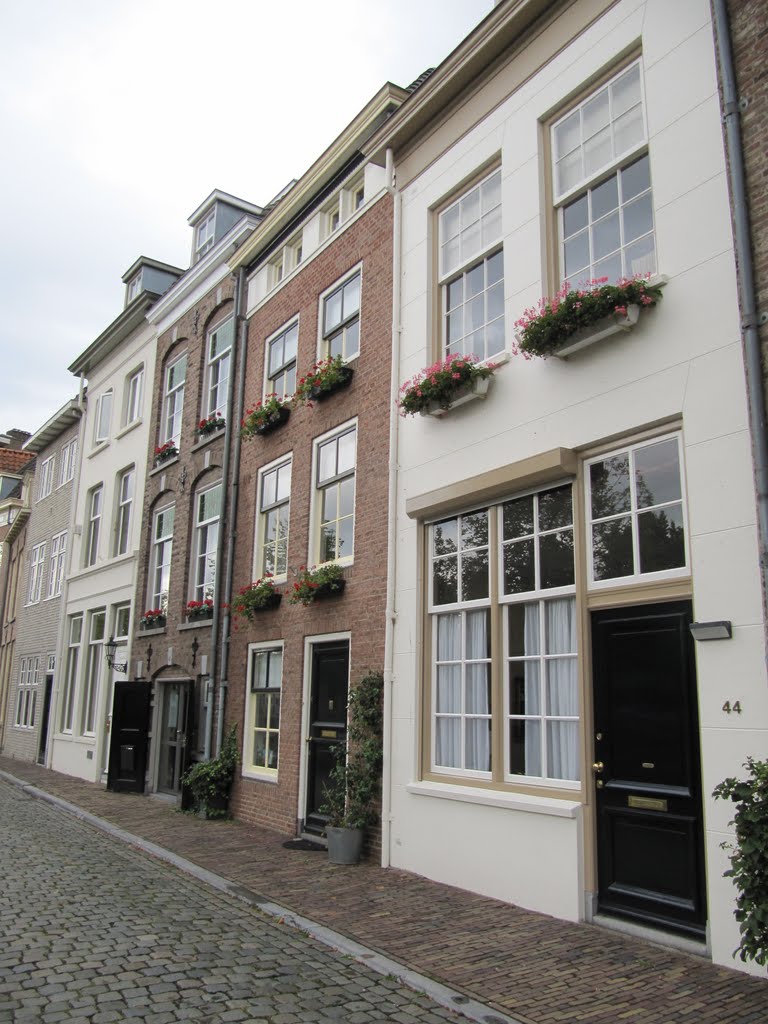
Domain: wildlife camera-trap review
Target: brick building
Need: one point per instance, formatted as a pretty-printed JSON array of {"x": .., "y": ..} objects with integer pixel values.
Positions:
[{"x": 314, "y": 490}]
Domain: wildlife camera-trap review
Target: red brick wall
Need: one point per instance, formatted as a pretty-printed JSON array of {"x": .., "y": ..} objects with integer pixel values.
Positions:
[{"x": 361, "y": 610}]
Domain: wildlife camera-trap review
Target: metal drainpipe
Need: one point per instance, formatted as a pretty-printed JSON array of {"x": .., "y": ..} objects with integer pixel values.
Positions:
[
  {"x": 750, "y": 319},
  {"x": 234, "y": 492},
  {"x": 394, "y": 422},
  {"x": 220, "y": 598}
]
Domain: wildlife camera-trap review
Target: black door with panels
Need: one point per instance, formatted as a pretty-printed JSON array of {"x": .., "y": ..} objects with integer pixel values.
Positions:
[
  {"x": 327, "y": 724},
  {"x": 647, "y": 774},
  {"x": 130, "y": 736}
]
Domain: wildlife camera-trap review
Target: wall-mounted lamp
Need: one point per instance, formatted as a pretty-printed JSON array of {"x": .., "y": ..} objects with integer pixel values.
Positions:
[
  {"x": 719, "y": 630},
  {"x": 110, "y": 650}
]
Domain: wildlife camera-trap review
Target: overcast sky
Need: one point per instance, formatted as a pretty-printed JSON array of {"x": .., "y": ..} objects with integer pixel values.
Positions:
[{"x": 118, "y": 118}]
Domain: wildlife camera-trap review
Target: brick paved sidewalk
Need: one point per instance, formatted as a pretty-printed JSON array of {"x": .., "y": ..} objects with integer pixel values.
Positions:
[{"x": 529, "y": 966}]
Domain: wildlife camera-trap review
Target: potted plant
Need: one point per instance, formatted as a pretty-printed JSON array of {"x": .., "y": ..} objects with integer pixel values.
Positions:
[
  {"x": 210, "y": 782},
  {"x": 211, "y": 424},
  {"x": 317, "y": 582},
  {"x": 199, "y": 609},
  {"x": 153, "y": 618},
  {"x": 324, "y": 379},
  {"x": 578, "y": 317},
  {"x": 164, "y": 452},
  {"x": 257, "y": 597},
  {"x": 264, "y": 417},
  {"x": 351, "y": 795},
  {"x": 445, "y": 385}
]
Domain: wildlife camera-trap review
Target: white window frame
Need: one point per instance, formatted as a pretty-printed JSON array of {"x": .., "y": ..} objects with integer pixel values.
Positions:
[
  {"x": 250, "y": 727},
  {"x": 205, "y": 233},
  {"x": 218, "y": 368},
  {"x": 332, "y": 216},
  {"x": 93, "y": 668},
  {"x": 36, "y": 572},
  {"x": 278, "y": 382},
  {"x": 121, "y": 622},
  {"x": 173, "y": 401},
  {"x": 67, "y": 462},
  {"x": 103, "y": 417},
  {"x": 124, "y": 497},
  {"x": 620, "y": 159},
  {"x": 633, "y": 513},
  {"x": 133, "y": 288},
  {"x": 206, "y": 540},
  {"x": 134, "y": 396},
  {"x": 26, "y": 693},
  {"x": 342, "y": 327},
  {"x": 47, "y": 471},
  {"x": 74, "y": 645},
  {"x": 56, "y": 569},
  {"x": 93, "y": 528},
  {"x": 465, "y": 266},
  {"x": 161, "y": 547},
  {"x": 319, "y": 487},
  {"x": 284, "y": 463}
]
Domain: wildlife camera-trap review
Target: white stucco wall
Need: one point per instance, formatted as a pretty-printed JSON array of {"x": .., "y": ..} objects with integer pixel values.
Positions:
[{"x": 682, "y": 361}]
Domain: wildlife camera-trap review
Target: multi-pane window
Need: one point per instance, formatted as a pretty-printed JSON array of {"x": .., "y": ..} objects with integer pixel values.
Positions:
[
  {"x": 472, "y": 272},
  {"x": 133, "y": 288},
  {"x": 207, "y": 515},
  {"x": 636, "y": 513},
  {"x": 219, "y": 351},
  {"x": 262, "y": 732},
  {"x": 134, "y": 395},
  {"x": 93, "y": 525},
  {"x": 173, "y": 400},
  {"x": 121, "y": 621},
  {"x": 94, "y": 659},
  {"x": 332, "y": 215},
  {"x": 47, "y": 472},
  {"x": 274, "y": 520},
  {"x": 602, "y": 185},
  {"x": 68, "y": 460},
  {"x": 204, "y": 234},
  {"x": 125, "y": 488},
  {"x": 74, "y": 641},
  {"x": 281, "y": 362},
  {"x": 56, "y": 568},
  {"x": 36, "y": 568},
  {"x": 162, "y": 551},
  {"x": 335, "y": 483},
  {"x": 103, "y": 417},
  {"x": 26, "y": 694},
  {"x": 526, "y": 543},
  {"x": 341, "y": 319}
]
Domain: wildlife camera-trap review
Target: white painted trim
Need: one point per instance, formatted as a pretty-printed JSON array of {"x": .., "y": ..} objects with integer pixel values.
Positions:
[{"x": 496, "y": 798}]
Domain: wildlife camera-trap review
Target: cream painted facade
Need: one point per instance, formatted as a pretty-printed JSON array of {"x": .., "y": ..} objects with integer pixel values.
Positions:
[
  {"x": 102, "y": 559},
  {"x": 679, "y": 373}
]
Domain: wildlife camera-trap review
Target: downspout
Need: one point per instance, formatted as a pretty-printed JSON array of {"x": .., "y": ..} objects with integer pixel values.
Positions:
[
  {"x": 394, "y": 423},
  {"x": 750, "y": 319},
  {"x": 218, "y": 625},
  {"x": 241, "y": 325}
]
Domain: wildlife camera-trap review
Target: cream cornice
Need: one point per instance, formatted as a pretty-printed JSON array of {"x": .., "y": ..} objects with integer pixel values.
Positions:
[
  {"x": 131, "y": 318},
  {"x": 319, "y": 174}
]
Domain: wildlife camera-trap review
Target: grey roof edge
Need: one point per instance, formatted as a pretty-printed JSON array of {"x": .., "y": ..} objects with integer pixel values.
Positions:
[
  {"x": 147, "y": 261},
  {"x": 61, "y": 420},
  {"x": 129, "y": 319}
]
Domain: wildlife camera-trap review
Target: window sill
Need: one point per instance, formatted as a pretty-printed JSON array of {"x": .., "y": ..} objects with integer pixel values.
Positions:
[
  {"x": 163, "y": 466},
  {"x": 155, "y": 631},
  {"x": 98, "y": 449},
  {"x": 565, "y": 808},
  {"x": 252, "y": 776},
  {"x": 197, "y": 624},
  {"x": 477, "y": 389},
  {"x": 207, "y": 438},
  {"x": 128, "y": 428}
]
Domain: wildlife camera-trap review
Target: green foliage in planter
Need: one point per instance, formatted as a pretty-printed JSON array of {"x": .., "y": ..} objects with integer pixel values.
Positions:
[
  {"x": 440, "y": 383},
  {"x": 542, "y": 330},
  {"x": 749, "y": 859},
  {"x": 328, "y": 577},
  {"x": 325, "y": 375},
  {"x": 351, "y": 794},
  {"x": 254, "y": 598},
  {"x": 211, "y": 781}
]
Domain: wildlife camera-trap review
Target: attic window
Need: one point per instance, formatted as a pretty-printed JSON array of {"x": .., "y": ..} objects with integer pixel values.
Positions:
[
  {"x": 204, "y": 235},
  {"x": 134, "y": 287}
]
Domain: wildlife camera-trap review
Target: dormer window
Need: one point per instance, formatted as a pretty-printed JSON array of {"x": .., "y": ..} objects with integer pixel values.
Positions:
[
  {"x": 204, "y": 235},
  {"x": 134, "y": 287}
]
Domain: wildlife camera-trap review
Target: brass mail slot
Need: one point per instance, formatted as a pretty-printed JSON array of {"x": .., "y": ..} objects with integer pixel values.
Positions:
[
  {"x": 328, "y": 734},
  {"x": 647, "y": 803}
]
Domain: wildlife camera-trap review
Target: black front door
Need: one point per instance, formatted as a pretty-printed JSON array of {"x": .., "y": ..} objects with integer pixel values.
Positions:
[
  {"x": 327, "y": 723},
  {"x": 42, "y": 743},
  {"x": 130, "y": 737},
  {"x": 647, "y": 776}
]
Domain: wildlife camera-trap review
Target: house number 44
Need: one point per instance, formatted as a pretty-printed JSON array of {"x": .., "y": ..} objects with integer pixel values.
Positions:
[{"x": 728, "y": 708}]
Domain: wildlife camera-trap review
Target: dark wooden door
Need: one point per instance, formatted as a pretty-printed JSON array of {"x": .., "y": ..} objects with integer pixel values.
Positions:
[
  {"x": 327, "y": 723},
  {"x": 130, "y": 736},
  {"x": 647, "y": 774},
  {"x": 174, "y": 732},
  {"x": 45, "y": 721}
]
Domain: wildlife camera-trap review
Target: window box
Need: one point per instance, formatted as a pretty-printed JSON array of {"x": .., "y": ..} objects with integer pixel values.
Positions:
[
  {"x": 149, "y": 621},
  {"x": 280, "y": 418},
  {"x": 259, "y": 596},
  {"x": 478, "y": 388},
  {"x": 264, "y": 417},
  {"x": 197, "y": 610},
  {"x": 324, "y": 379},
  {"x": 604, "y": 328},
  {"x": 317, "y": 583},
  {"x": 326, "y": 389},
  {"x": 211, "y": 425},
  {"x": 165, "y": 452}
]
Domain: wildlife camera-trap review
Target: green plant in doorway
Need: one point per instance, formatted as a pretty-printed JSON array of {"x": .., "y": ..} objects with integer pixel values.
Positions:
[
  {"x": 749, "y": 857},
  {"x": 210, "y": 782}
]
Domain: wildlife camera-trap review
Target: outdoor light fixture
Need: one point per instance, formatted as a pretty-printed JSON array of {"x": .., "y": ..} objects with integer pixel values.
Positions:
[
  {"x": 110, "y": 650},
  {"x": 719, "y": 630}
]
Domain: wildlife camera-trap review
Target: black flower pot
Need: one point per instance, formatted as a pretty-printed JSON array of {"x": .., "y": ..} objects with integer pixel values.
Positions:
[
  {"x": 334, "y": 589},
  {"x": 317, "y": 394},
  {"x": 279, "y": 418},
  {"x": 270, "y": 602}
]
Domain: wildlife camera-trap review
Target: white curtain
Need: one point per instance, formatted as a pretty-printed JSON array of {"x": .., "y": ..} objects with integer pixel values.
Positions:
[
  {"x": 562, "y": 691},
  {"x": 477, "y": 697},
  {"x": 448, "y": 697}
]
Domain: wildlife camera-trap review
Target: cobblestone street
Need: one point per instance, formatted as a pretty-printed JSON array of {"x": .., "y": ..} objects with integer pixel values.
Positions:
[{"x": 93, "y": 931}]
